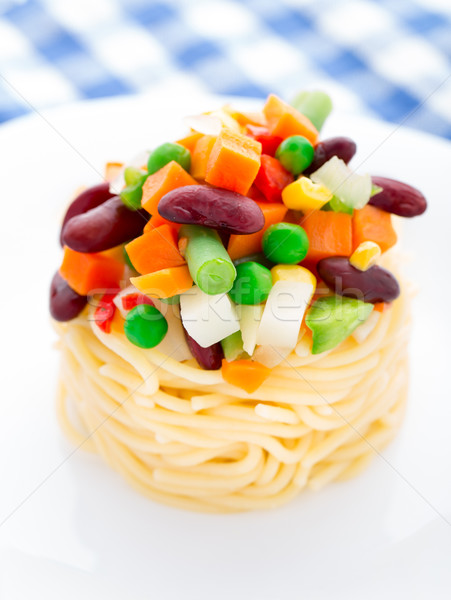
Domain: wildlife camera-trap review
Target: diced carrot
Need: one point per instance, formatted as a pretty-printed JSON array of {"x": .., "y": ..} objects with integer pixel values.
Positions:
[
  {"x": 87, "y": 272},
  {"x": 200, "y": 156},
  {"x": 168, "y": 178},
  {"x": 244, "y": 245},
  {"x": 117, "y": 252},
  {"x": 329, "y": 234},
  {"x": 284, "y": 120},
  {"x": 155, "y": 250},
  {"x": 245, "y": 374},
  {"x": 246, "y": 118},
  {"x": 164, "y": 283},
  {"x": 157, "y": 220},
  {"x": 373, "y": 224},
  {"x": 112, "y": 170},
  {"x": 189, "y": 142},
  {"x": 381, "y": 306},
  {"x": 234, "y": 161}
]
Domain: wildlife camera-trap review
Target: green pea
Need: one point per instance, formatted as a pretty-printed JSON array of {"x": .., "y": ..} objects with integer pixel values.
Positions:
[
  {"x": 162, "y": 155},
  {"x": 145, "y": 326},
  {"x": 295, "y": 154},
  {"x": 131, "y": 195},
  {"x": 285, "y": 243},
  {"x": 252, "y": 284}
]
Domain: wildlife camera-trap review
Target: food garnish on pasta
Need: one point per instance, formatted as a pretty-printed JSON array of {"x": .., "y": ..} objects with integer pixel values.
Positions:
[{"x": 232, "y": 327}]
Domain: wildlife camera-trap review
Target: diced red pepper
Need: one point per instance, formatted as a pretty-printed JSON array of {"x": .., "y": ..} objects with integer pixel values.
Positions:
[
  {"x": 131, "y": 300},
  {"x": 104, "y": 313},
  {"x": 255, "y": 194},
  {"x": 272, "y": 178},
  {"x": 269, "y": 142}
]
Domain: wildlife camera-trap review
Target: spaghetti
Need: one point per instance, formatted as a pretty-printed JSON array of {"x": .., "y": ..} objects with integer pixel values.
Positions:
[{"x": 184, "y": 437}]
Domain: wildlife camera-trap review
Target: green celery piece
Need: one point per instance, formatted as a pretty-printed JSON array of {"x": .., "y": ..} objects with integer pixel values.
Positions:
[
  {"x": 232, "y": 346},
  {"x": 131, "y": 195},
  {"x": 333, "y": 318},
  {"x": 171, "y": 300},
  {"x": 375, "y": 189},
  {"x": 338, "y": 206},
  {"x": 315, "y": 105}
]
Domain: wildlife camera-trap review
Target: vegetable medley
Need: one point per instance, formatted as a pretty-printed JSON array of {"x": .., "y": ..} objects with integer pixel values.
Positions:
[{"x": 258, "y": 234}]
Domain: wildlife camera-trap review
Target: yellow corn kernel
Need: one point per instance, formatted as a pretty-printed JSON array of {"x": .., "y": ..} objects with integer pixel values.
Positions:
[
  {"x": 303, "y": 194},
  {"x": 292, "y": 273},
  {"x": 365, "y": 255}
]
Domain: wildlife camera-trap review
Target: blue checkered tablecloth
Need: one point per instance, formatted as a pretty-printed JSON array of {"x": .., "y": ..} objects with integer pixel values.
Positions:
[{"x": 389, "y": 58}]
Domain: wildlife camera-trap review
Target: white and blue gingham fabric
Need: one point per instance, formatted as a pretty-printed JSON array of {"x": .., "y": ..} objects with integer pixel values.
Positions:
[{"x": 389, "y": 58}]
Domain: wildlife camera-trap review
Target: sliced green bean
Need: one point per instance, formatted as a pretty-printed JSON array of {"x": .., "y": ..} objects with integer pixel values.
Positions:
[{"x": 209, "y": 264}]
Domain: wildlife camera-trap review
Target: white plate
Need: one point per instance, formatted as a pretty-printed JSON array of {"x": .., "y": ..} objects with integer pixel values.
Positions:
[{"x": 73, "y": 529}]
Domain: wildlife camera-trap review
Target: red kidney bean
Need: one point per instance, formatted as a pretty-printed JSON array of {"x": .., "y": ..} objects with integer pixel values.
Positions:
[
  {"x": 227, "y": 211},
  {"x": 90, "y": 198},
  {"x": 208, "y": 358},
  {"x": 65, "y": 303},
  {"x": 373, "y": 285},
  {"x": 104, "y": 227},
  {"x": 343, "y": 147},
  {"x": 398, "y": 198}
]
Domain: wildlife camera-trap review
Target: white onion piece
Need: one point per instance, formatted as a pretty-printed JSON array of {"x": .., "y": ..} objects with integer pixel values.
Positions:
[
  {"x": 138, "y": 161},
  {"x": 174, "y": 342},
  {"x": 352, "y": 189},
  {"x": 208, "y": 318},
  {"x": 270, "y": 356},
  {"x": 283, "y": 314},
  {"x": 250, "y": 317},
  {"x": 363, "y": 331},
  {"x": 206, "y": 124}
]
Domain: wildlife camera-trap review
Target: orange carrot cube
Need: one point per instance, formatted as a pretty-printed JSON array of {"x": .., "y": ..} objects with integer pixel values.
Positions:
[
  {"x": 112, "y": 169},
  {"x": 157, "y": 220},
  {"x": 329, "y": 234},
  {"x": 166, "y": 179},
  {"x": 234, "y": 162},
  {"x": 155, "y": 250},
  {"x": 373, "y": 224},
  {"x": 165, "y": 283},
  {"x": 284, "y": 120},
  {"x": 189, "y": 142},
  {"x": 89, "y": 272},
  {"x": 200, "y": 156},
  {"x": 245, "y": 374}
]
